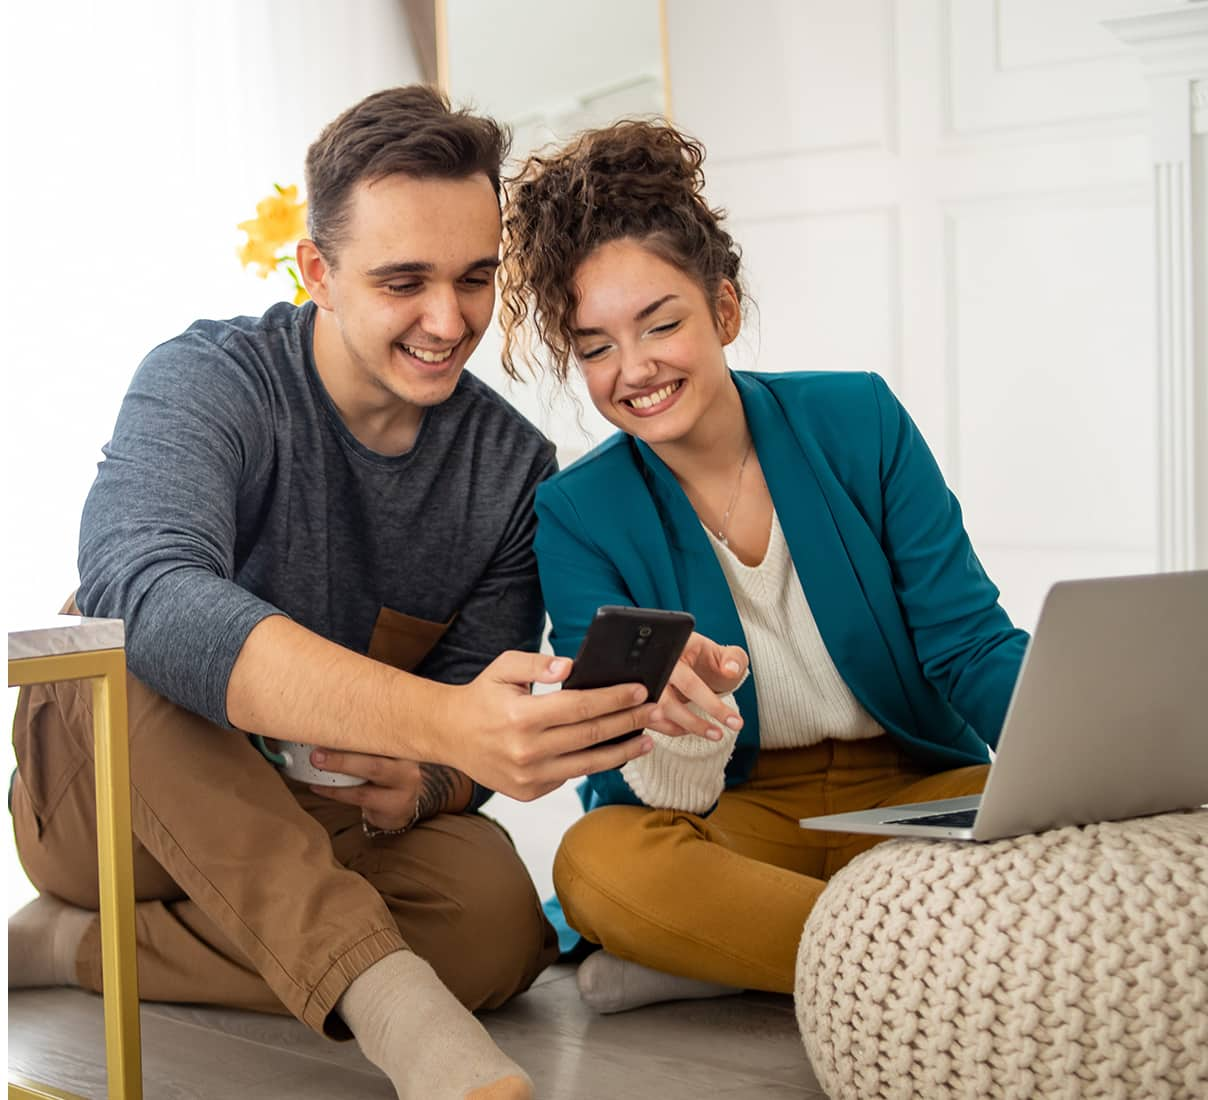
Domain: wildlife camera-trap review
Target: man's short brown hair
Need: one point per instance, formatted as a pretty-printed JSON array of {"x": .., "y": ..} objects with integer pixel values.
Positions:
[{"x": 411, "y": 130}]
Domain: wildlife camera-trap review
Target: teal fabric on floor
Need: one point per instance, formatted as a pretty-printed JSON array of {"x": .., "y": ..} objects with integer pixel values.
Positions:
[{"x": 568, "y": 938}]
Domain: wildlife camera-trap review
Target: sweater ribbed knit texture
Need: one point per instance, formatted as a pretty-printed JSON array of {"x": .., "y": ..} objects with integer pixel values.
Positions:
[{"x": 802, "y": 698}]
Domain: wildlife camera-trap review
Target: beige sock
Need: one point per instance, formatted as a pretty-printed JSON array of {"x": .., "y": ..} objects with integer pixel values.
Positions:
[
  {"x": 609, "y": 984},
  {"x": 44, "y": 941},
  {"x": 430, "y": 1046}
]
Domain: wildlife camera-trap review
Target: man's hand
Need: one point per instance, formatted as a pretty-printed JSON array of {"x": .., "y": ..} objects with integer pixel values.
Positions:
[
  {"x": 398, "y": 793},
  {"x": 526, "y": 745},
  {"x": 492, "y": 728},
  {"x": 704, "y": 671}
]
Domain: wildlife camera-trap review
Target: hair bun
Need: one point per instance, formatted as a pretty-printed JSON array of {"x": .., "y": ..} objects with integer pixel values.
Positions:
[{"x": 637, "y": 179}]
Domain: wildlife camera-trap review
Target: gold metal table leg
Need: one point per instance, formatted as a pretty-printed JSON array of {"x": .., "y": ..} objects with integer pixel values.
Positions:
[{"x": 106, "y": 669}]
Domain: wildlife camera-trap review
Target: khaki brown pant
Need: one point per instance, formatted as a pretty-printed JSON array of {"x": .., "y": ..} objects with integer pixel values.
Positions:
[
  {"x": 724, "y": 898},
  {"x": 253, "y": 892}
]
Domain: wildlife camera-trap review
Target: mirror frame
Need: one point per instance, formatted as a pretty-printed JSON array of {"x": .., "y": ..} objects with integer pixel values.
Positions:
[{"x": 441, "y": 22}]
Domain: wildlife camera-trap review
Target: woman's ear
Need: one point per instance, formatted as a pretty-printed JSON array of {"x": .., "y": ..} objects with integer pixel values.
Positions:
[{"x": 728, "y": 312}]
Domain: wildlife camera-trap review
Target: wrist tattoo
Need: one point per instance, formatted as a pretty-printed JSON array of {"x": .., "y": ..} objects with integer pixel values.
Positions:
[{"x": 438, "y": 788}]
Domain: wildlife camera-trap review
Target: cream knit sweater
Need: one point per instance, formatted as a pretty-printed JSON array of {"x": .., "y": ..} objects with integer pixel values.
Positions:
[{"x": 802, "y": 698}]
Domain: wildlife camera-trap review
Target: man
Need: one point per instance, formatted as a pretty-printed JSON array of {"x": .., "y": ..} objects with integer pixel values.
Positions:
[{"x": 294, "y": 512}]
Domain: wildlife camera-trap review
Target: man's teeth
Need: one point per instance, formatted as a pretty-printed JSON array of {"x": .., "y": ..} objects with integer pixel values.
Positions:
[
  {"x": 427, "y": 356},
  {"x": 652, "y": 399}
]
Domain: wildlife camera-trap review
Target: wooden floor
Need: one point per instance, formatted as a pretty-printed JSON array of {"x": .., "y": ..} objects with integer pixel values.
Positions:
[{"x": 732, "y": 1048}]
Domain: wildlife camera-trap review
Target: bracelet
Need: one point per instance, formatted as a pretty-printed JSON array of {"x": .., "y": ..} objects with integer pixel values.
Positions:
[{"x": 372, "y": 831}]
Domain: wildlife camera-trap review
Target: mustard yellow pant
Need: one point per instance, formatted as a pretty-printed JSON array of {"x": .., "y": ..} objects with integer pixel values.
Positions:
[{"x": 724, "y": 898}]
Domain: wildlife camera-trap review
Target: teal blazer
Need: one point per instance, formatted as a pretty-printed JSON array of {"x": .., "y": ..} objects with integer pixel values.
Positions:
[{"x": 907, "y": 613}]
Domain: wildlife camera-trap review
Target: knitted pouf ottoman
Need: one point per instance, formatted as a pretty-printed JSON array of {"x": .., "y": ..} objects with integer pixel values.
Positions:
[{"x": 1071, "y": 964}]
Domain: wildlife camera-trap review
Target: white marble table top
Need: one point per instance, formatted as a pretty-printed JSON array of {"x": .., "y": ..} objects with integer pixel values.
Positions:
[{"x": 66, "y": 634}]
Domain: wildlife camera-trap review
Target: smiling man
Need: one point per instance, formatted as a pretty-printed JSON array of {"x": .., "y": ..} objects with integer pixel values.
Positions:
[{"x": 318, "y": 528}]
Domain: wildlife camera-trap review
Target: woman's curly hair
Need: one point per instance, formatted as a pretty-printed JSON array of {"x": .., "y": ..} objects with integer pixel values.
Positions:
[{"x": 634, "y": 179}]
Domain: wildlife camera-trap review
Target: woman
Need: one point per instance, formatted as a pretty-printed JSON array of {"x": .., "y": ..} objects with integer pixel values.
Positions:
[{"x": 800, "y": 517}]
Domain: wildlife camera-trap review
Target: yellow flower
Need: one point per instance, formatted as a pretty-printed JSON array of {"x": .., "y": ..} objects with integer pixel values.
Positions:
[
  {"x": 260, "y": 253},
  {"x": 279, "y": 222},
  {"x": 280, "y": 218}
]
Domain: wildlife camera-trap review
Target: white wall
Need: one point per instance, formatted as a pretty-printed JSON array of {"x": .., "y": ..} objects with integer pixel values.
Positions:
[{"x": 957, "y": 194}]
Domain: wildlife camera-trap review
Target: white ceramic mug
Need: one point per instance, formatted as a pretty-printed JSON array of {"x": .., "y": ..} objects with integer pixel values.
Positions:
[{"x": 292, "y": 758}]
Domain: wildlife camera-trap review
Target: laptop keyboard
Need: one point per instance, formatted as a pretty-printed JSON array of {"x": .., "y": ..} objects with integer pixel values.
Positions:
[{"x": 961, "y": 819}]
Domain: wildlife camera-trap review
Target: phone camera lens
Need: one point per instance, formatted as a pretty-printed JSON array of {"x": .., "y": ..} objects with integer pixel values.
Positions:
[{"x": 643, "y": 632}]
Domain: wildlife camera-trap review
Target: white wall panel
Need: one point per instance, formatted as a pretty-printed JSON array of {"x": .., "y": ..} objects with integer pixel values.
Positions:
[
  {"x": 825, "y": 288},
  {"x": 985, "y": 242},
  {"x": 1071, "y": 32},
  {"x": 1036, "y": 63},
  {"x": 1054, "y": 395},
  {"x": 763, "y": 79}
]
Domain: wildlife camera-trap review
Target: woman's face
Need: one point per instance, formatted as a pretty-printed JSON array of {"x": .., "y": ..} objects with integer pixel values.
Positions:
[{"x": 648, "y": 341}]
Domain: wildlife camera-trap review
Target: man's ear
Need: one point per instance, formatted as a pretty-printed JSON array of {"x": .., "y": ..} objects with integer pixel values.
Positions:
[
  {"x": 314, "y": 270},
  {"x": 728, "y": 311}
]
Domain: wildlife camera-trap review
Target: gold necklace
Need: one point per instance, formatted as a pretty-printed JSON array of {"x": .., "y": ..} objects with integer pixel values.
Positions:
[{"x": 722, "y": 537}]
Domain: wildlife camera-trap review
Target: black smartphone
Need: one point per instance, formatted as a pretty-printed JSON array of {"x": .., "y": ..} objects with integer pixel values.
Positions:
[{"x": 631, "y": 645}]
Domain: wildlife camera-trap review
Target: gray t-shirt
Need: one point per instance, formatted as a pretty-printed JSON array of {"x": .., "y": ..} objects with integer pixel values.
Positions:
[{"x": 232, "y": 490}]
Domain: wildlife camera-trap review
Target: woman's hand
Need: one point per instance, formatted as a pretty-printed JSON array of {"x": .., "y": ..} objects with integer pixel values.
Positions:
[
  {"x": 399, "y": 793},
  {"x": 704, "y": 671}
]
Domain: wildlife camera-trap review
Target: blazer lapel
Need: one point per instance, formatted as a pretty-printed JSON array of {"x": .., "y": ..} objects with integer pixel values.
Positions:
[
  {"x": 702, "y": 584},
  {"x": 828, "y": 569},
  {"x": 703, "y": 588}
]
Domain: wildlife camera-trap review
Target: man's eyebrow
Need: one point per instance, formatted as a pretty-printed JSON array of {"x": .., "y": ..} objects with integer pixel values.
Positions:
[
  {"x": 641, "y": 315},
  {"x": 420, "y": 267},
  {"x": 415, "y": 267}
]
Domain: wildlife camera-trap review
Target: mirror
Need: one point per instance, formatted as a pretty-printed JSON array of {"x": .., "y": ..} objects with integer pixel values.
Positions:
[{"x": 549, "y": 69}]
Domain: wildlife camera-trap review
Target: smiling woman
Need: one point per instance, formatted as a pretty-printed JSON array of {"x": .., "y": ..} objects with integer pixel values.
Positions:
[
  {"x": 798, "y": 515},
  {"x": 650, "y": 340}
]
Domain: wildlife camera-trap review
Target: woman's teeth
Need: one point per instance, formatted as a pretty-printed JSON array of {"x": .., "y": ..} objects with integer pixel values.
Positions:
[
  {"x": 652, "y": 399},
  {"x": 427, "y": 356}
]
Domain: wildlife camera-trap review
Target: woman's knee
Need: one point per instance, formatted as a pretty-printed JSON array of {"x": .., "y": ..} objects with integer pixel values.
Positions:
[{"x": 615, "y": 856}]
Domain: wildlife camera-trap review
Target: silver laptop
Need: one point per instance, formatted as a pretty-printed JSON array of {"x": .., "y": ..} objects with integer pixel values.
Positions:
[{"x": 1109, "y": 718}]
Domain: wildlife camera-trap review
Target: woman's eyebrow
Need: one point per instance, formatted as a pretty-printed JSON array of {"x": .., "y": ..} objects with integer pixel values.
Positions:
[{"x": 641, "y": 315}]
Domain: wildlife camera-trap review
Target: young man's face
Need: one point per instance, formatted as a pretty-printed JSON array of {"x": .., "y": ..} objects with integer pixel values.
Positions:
[{"x": 411, "y": 292}]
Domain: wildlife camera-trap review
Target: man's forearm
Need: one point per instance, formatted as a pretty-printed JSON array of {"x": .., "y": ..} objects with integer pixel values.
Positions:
[
  {"x": 442, "y": 790},
  {"x": 292, "y": 684}
]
